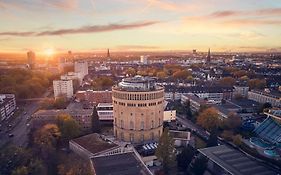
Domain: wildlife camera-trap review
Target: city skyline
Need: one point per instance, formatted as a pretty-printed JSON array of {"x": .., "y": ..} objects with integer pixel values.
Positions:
[{"x": 92, "y": 25}]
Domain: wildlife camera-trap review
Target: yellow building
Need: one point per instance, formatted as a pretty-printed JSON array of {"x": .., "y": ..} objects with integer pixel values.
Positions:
[{"x": 138, "y": 110}]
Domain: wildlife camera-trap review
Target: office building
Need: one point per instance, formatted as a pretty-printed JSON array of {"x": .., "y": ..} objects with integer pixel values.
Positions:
[
  {"x": 274, "y": 98},
  {"x": 143, "y": 59},
  {"x": 63, "y": 88},
  {"x": 82, "y": 67},
  {"x": 72, "y": 76},
  {"x": 105, "y": 111},
  {"x": 7, "y": 106},
  {"x": 138, "y": 110},
  {"x": 31, "y": 59},
  {"x": 94, "y": 97}
]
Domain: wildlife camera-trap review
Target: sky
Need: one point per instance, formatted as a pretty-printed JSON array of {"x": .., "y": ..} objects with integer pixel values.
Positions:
[{"x": 136, "y": 25}]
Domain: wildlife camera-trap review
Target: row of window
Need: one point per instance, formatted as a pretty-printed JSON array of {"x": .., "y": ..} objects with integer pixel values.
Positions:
[
  {"x": 139, "y": 104},
  {"x": 142, "y": 124},
  {"x": 132, "y": 136},
  {"x": 149, "y": 96}
]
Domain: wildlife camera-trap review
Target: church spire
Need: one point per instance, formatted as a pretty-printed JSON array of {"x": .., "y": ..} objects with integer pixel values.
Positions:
[
  {"x": 209, "y": 56},
  {"x": 108, "y": 54}
]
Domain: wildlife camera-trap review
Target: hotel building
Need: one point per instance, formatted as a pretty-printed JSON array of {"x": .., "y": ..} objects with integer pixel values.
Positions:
[{"x": 138, "y": 110}]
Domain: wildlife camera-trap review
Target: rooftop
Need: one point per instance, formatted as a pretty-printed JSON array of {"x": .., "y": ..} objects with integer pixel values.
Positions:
[
  {"x": 94, "y": 143},
  {"x": 119, "y": 164},
  {"x": 72, "y": 112},
  {"x": 235, "y": 162},
  {"x": 137, "y": 84}
]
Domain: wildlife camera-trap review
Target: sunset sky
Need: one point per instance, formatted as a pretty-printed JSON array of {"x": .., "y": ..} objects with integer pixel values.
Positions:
[{"x": 92, "y": 25}]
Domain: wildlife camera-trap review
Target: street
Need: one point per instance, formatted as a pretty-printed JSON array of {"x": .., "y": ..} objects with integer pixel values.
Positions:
[{"x": 19, "y": 129}]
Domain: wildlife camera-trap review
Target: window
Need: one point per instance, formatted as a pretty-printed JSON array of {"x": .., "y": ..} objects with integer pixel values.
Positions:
[
  {"x": 152, "y": 124},
  {"x": 122, "y": 136},
  {"x": 122, "y": 124},
  {"x": 142, "y": 125},
  {"x": 131, "y": 137},
  {"x": 131, "y": 125},
  {"x": 142, "y": 137},
  {"x": 152, "y": 136}
]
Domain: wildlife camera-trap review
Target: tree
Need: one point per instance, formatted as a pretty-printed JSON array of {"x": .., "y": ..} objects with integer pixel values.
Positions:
[
  {"x": 198, "y": 165},
  {"x": 95, "y": 121},
  {"x": 165, "y": 151},
  {"x": 181, "y": 74},
  {"x": 256, "y": 83},
  {"x": 264, "y": 107},
  {"x": 161, "y": 75},
  {"x": 232, "y": 122},
  {"x": 209, "y": 119},
  {"x": 185, "y": 157},
  {"x": 237, "y": 139},
  {"x": 188, "y": 111},
  {"x": 227, "y": 135},
  {"x": 69, "y": 128},
  {"x": 213, "y": 139},
  {"x": 23, "y": 170},
  {"x": 227, "y": 81},
  {"x": 131, "y": 71},
  {"x": 46, "y": 138}
]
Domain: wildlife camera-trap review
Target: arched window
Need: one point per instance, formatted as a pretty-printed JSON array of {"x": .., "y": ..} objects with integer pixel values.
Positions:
[
  {"x": 152, "y": 124},
  {"x": 142, "y": 125},
  {"x": 122, "y": 124},
  {"x": 131, "y": 137},
  {"x": 131, "y": 125},
  {"x": 152, "y": 136}
]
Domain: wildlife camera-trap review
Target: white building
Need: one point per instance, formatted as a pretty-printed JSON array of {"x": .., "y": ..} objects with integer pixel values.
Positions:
[
  {"x": 105, "y": 111},
  {"x": 73, "y": 76},
  {"x": 63, "y": 88},
  {"x": 7, "y": 106},
  {"x": 265, "y": 97},
  {"x": 241, "y": 90},
  {"x": 82, "y": 67},
  {"x": 143, "y": 59}
]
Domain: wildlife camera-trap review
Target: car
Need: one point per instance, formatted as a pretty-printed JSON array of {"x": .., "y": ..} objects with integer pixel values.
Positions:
[
  {"x": 11, "y": 135},
  {"x": 9, "y": 125}
]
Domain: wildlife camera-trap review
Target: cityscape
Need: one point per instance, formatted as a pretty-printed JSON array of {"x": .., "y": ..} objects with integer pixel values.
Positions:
[{"x": 99, "y": 88}]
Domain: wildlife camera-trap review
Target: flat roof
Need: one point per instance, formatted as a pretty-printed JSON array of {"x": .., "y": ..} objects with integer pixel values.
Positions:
[
  {"x": 119, "y": 164},
  {"x": 105, "y": 105},
  {"x": 235, "y": 162},
  {"x": 94, "y": 143},
  {"x": 55, "y": 112}
]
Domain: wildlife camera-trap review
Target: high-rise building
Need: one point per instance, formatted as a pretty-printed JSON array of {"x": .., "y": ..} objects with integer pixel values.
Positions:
[
  {"x": 194, "y": 51},
  {"x": 108, "y": 53},
  {"x": 7, "y": 106},
  {"x": 138, "y": 110},
  {"x": 208, "y": 58},
  {"x": 82, "y": 67},
  {"x": 143, "y": 59},
  {"x": 63, "y": 88},
  {"x": 31, "y": 59}
]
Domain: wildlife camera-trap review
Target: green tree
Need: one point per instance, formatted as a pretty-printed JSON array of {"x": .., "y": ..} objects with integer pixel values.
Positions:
[
  {"x": 165, "y": 151},
  {"x": 68, "y": 127},
  {"x": 198, "y": 165},
  {"x": 95, "y": 121},
  {"x": 185, "y": 157}
]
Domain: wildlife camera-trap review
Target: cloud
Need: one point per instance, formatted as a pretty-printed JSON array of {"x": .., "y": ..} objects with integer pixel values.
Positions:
[
  {"x": 256, "y": 13},
  {"x": 62, "y": 4},
  {"x": 81, "y": 30},
  {"x": 251, "y": 22}
]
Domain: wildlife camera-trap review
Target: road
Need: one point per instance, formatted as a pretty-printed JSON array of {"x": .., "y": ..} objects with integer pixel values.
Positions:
[
  {"x": 20, "y": 129},
  {"x": 195, "y": 128}
]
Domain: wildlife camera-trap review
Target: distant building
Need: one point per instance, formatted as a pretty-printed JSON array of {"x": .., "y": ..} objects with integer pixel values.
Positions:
[
  {"x": 194, "y": 51},
  {"x": 108, "y": 54},
  {"x": 72, "y": 76},
  {"x": 144, "y": 59},
  {"x": 241, "y": 91},
  {"x": 138, "y": 106},
  {"x": 82, "y": 67},
  {"x": 208, "y": 58},
  {"x": 265, "y": 97},
  {"x": 195, "y": 102},
  {"x": 82, "y": 116},
  {"x": 94, "y": 97},
  {"x": 105, "y": 111},
  {"x": 31, "y": 59},
  {"x": 63, "y": 88},
  {"x": 225, "y": 160},
  {"x": 7, "y": 106}
]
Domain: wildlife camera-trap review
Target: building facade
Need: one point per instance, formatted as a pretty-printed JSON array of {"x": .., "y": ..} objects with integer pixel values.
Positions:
[
  {"x": 31, "y": 59},
  {"x": 82, "y": 67},
  {"x": 63, "y": 88},
  {"x": 94, "y": 97},
  {"x": 105, "y": 111},
  {"x": 72, "y": 76},
  {"x": 7, "y": 106},
  {"x": 263, "y": 97},
  {"x": 138, "y": 110}
]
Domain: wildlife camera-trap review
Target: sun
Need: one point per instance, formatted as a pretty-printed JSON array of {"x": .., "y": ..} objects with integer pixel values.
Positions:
[{"x": 49, "y": 52}]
